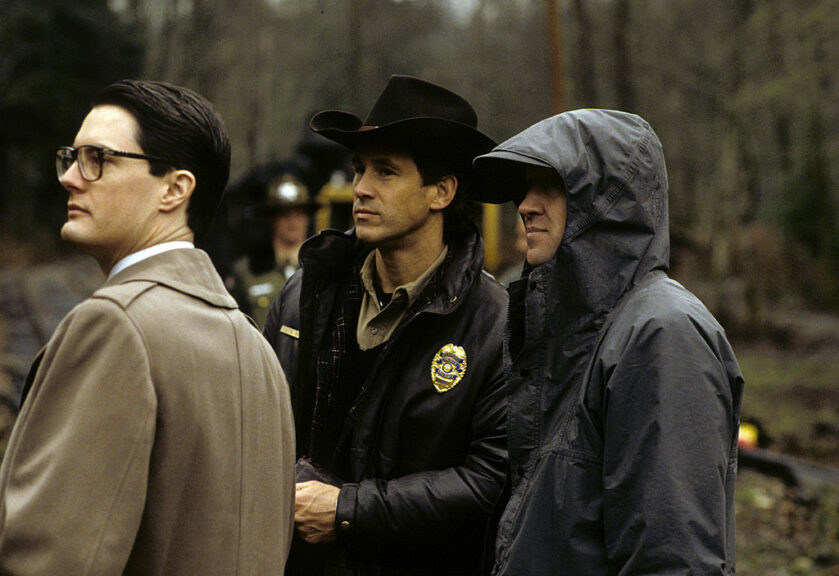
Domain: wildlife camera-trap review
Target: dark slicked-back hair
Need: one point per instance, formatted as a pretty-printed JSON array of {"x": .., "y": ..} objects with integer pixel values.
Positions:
[{"x": 183, "y": 127}]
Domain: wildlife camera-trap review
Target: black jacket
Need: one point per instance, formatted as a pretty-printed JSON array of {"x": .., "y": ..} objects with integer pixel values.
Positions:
[
  {"x": 625, "y": 394},
  {"x": 423, "y": 467}
]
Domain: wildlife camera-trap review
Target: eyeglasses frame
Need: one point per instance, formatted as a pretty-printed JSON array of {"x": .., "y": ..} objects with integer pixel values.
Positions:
[{"x": 100, "y": 154}]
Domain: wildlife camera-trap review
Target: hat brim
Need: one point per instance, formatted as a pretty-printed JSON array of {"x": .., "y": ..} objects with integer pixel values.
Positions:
[
  {"x": 502, "y": 176},
  {"x": 443, "y": 138}
]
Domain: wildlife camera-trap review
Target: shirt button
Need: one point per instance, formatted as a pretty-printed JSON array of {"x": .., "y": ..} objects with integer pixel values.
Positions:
[
  {"x": 374, "y": 330},
  {"x": 345, "y": 525}
]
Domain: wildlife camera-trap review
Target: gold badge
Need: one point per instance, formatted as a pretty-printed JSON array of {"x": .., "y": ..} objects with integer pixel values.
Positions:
[{"x": 448, "y": 367}]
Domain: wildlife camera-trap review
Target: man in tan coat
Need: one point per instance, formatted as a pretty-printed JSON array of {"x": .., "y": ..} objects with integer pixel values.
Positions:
[{"x": 155, "y": 435}]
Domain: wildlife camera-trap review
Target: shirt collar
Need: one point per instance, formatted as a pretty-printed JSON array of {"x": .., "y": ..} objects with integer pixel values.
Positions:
[
  {"x": 141, "y": 255},
  {"x": 411, "y": 289},
  {"x": 376, "y": 324}
]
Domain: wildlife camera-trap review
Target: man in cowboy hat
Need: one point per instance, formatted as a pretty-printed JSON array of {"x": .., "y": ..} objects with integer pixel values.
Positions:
[{"x": 390, "y": 336}]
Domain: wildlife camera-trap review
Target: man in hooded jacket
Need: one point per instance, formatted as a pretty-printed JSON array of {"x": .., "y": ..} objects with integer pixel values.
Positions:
[
  {"x": 625, "y": 394},
  {"x": 397, "y": 386}
]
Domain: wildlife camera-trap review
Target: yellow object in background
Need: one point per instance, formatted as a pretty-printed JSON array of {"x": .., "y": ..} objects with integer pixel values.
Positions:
[{"x": 748, "y": 436}]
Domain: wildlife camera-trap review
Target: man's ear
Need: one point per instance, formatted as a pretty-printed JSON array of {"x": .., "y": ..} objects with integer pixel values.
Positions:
[
  {"x": 445, "y": 188},
  {"x": 180, "y": 185}
]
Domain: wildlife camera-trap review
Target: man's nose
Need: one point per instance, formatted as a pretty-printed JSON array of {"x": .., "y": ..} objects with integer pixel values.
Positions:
[
  {"x": 529, "y": 205},
  {"x": 72, "y": 178},
  {"x": 361, "y": 186}
]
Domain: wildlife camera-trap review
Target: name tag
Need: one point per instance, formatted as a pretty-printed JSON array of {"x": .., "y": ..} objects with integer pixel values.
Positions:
[{"x": 290, "y": 331}]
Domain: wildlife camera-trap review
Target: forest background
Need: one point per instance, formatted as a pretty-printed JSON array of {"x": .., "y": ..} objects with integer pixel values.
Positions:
[{"x": 744, "y": 95}]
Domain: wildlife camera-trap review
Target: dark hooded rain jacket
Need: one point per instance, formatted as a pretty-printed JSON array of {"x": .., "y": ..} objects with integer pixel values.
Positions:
[{"x": 625, "y": 394}]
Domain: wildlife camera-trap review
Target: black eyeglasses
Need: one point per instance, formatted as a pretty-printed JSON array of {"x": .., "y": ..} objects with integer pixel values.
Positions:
[{"x": 91, "y": 159}]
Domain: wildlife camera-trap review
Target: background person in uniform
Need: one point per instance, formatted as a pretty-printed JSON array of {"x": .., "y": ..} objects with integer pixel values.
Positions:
[
  {"x": 155, "y": 434},
  {"x": 391, "y": 334},
  {"x": 259, "y": 275},
  {"x": 625, "y": 394}
]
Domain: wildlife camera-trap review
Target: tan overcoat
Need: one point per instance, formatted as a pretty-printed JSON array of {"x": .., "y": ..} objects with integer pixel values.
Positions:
[{"x": 156, "y": 436}]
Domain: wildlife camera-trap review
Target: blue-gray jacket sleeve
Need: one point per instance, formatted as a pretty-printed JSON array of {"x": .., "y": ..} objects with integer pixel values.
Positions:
[{"x": 670, "y": 414}]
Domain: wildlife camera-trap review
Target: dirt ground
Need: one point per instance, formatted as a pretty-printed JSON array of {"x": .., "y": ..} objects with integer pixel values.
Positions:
[
  {"x": 783, "y": 530},
  {"x": 792, "y": 396}
]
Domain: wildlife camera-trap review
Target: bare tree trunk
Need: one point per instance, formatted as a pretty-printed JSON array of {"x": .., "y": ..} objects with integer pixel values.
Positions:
[
  {"x": 584, "y": 72},
  {"x": 732, "y": 175},
  {"x": 624, "y": 88},
  {"x": 355, "y": 40},
  {"x": 257, "y": 98},
  {"x": 555, "y": 47}
]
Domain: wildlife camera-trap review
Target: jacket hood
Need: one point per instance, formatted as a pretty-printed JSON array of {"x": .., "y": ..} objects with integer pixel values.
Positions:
[{"x": 617, "y": 228}]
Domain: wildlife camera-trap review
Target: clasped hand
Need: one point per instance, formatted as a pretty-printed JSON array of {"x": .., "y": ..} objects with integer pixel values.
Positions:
[{"x": 315, "y": 506}]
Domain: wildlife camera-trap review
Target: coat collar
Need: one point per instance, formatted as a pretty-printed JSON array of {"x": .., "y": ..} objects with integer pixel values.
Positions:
[{"x": 189, "y": 271}]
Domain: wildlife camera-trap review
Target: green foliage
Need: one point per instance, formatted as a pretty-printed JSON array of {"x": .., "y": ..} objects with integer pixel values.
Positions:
[
  {"x": 811, "y": 209},
  {"x": 810, "y": 215}
]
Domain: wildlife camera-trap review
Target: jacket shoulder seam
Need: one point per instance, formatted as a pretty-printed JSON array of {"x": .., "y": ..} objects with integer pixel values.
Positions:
[{"x": 124, "y": 294}]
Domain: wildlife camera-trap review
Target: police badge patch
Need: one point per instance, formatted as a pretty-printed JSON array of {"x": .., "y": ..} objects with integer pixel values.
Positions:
[{"x": 448, "y": 367}]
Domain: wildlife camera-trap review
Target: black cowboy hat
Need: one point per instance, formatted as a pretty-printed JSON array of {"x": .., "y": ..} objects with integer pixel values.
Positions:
[{"x": 413, "y": 113}]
